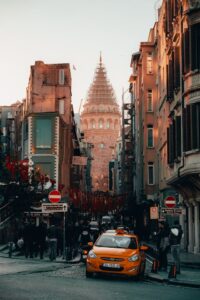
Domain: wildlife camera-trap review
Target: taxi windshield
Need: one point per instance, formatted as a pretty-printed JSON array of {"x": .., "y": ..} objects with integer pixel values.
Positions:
[{"x": 116, "y": 241}]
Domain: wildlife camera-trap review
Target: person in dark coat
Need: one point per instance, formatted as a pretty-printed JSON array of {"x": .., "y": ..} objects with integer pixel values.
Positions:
[
  {"x": 175, "y": 236},
  {"x": 29, "y": 237},
  {"x": 163, "y": 245},
  {"x": 52, "y": 234},
  {"x": 41, "y": 234}
]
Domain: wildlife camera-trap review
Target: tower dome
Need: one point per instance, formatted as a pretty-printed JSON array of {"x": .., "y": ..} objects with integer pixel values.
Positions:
[{"x": 100, "y": 122}]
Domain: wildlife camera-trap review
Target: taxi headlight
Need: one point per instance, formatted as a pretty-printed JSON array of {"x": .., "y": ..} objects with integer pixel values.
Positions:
[
  {"x": 91, "y": 254},
  {"x": 134, "y": 257}
]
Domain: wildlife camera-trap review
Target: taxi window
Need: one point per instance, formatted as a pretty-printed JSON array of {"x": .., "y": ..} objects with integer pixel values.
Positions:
[{"x": 116, "y": 242}]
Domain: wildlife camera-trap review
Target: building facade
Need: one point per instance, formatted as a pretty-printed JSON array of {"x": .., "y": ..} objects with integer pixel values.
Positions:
[
  {"x": 46, "y": 129},
  {"x": 100, "y": 122},
  {"x": 168, "y": 117}
]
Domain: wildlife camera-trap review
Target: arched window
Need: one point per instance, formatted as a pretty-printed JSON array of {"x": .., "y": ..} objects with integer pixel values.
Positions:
[
  {"x": 92, "y": 124},
  {"x": 100, "y": 124},
  {"x": 102, "y": 146},
  {"x": 108, "y": 124}
]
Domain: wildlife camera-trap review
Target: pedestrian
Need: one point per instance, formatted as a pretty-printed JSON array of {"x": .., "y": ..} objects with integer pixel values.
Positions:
[
  {"x": 163, "y": 245},
  {"x": 41, "y": 234},
  {"x": 59, "y": 241},
  {"x": 52, "y": 238},
  {"x": 28, "y": 237},
  {"x": 175, "y": 236}
]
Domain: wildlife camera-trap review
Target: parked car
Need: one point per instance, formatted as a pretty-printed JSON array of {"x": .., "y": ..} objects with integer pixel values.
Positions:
[{"x": 116, "y": 252}]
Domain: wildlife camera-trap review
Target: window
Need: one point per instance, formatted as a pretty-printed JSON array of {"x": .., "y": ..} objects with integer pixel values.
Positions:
[
  {"x": 108, "y": 124},
  {"x": 43, "y": 133},
  {"x": 150, "y": 136},
  {"x": 61, "y": 107},
  {"x": 100, "y": 124},
  {"x": 150, "y": 173},
  {"x": 195, "y": 46},
  {"x": 149, "y": 63},
  {"x": 101, "y": 146},
  {"x": 93, "y": 124},
  {"x": 61, "y": 76},
  {"x": 149, "y": 101}
]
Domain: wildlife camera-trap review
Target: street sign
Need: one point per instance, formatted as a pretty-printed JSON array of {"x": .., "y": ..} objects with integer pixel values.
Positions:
[
  {"x": 170, "y": 201},
  {"x": 54, "y": 196},
  {"x": 173, "y": 211},
  {"x": 53, "y": 208},
  {"x": 167, "y": 211},
  {"x": 154, "y": 213}
]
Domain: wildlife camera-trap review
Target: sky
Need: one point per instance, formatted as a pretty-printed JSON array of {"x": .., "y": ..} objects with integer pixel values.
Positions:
[{"x": 74, "y": 32}]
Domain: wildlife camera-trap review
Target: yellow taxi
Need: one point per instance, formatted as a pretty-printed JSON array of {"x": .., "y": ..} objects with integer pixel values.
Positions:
[{"x": 116, "y": 252}]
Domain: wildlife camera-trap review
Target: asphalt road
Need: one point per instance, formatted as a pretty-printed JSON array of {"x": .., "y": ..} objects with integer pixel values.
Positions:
[{"x": 70, "y": 283}]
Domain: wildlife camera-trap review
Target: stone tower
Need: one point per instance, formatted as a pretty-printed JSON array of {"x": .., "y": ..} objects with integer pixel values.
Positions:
[{"x": 100, "y": 122}]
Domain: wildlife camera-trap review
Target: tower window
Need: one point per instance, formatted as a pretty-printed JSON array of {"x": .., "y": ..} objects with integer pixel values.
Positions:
[
  {"x": 151, "y": 179},
  {"x": 150, "y": 143},
  {"x": 149, "y": 63}
]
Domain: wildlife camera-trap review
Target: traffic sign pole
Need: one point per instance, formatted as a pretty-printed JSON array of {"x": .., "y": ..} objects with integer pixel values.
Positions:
[{"x": 64, "y": 229}]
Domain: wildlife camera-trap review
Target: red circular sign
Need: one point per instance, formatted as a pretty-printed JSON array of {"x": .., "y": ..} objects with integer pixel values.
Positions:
[
  {"x": 54, "y": 196},
  {"x": 170, "y": 201}
]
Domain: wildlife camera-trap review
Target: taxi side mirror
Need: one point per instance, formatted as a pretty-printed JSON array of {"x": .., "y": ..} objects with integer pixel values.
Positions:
[
  {"x": 90, "y": 244},
  {"x": 144, "y": 248}
]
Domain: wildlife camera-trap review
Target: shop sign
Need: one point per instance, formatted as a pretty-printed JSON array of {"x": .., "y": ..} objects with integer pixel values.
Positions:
[{"x": 154, "y": 213}]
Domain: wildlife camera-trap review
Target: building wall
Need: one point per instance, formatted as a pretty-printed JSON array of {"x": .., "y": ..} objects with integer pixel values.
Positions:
[
  {"x": 48, "y": 114},
  {"x": 177, "y": 68}
]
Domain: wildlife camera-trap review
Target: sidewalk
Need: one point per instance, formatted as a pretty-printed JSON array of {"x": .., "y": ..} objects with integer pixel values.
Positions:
[
  {"x": 190, "y": 270},
  {"x": 18, "y": 255}
]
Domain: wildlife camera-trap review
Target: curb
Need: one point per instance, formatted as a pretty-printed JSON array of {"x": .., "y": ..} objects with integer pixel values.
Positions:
[
  {"x": 64, "y": 261},
  {"x": 172, "y": 282}
]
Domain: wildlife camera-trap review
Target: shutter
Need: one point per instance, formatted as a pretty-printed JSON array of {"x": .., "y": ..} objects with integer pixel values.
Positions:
[
  {"x": 194, "y": 129},
  {"x": 168, "y": 15},
  {"x": 178, "y": 136},
  {"x": 167, "y": 76},
  {"x": 198, "y": 46},
  {"x": 184, "y": 130},
  {"x": 171, "y": 144},
  {"x": 168, "y": 148},
  {"x": 171, "y": 79},
  {"x": 175, "y": 8},
  {"x": 174, "y": 137},
  {"x": 188, "y": 128},
  {"x": 195, "y": 42},
  {"x": 176, "y": 68},
  {"x": 186, "y": 52},
  {"x": 198, "y": 125}
]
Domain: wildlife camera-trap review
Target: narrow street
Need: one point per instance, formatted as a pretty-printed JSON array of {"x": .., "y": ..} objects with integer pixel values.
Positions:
[{"x": 26, "y": 280}]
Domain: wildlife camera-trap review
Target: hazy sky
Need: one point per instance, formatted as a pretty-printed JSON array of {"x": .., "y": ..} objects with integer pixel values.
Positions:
[{"x": 70, "y": 31}]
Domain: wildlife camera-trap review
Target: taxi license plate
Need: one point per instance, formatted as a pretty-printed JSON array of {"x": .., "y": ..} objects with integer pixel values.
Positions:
[{"x": 115, "y": 266}]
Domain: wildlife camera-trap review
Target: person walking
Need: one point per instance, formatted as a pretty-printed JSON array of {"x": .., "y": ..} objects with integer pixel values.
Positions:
[
  {"x": 175, "y": 236},
  {"x": 163, "y": 245},
  {"x": 28, "y": 237},
  {"x": 41, "y": 231},
  {"x": 52, "y": 237}
]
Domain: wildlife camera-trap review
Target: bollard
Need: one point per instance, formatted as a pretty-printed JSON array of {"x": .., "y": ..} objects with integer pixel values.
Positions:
[
  {"x": 172, "y": 271},
  {"x": 154, "y": 266}
]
